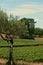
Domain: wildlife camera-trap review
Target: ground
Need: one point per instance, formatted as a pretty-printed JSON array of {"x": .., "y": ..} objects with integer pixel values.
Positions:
[
  {"x": 39, "y": 39},
  {"x": 20, "y": 62}
]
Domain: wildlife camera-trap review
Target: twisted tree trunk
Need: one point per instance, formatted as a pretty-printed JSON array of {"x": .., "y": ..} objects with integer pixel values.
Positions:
[
  {"x": 10, "y": 42},
  {"x": 11, "y": 61}
]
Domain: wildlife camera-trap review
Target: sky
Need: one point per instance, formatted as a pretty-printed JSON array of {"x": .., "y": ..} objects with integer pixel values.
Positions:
[{"x": 24, "y": 8}]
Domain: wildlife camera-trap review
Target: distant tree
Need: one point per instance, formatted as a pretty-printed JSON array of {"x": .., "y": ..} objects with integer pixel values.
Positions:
[
  {"x": 31, "y": 28},
  {"x": 42, "y": 32},
  {"x": 24, "y": 30},
  {"x": 29, "y": 25},
  {"x": 38, "y": 32}
]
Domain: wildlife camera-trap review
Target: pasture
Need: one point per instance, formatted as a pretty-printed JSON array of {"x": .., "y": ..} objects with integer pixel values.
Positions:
[{"x": 24, "y": 49}]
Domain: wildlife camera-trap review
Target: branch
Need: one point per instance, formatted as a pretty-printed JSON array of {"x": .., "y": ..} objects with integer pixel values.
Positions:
[{"x": 2, "y": 37}]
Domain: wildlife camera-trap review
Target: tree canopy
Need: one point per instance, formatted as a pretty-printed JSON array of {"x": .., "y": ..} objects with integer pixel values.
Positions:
[{"x": 23, "y": 27}]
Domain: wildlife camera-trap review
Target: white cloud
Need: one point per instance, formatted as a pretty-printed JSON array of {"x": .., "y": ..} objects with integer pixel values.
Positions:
[
  {"x": 39, "y": 22},
  {"x": 26, "y": 9},
  {"x": 21, "y": 11}
]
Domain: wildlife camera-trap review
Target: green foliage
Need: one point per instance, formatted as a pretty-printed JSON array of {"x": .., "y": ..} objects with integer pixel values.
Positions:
[
  {"x": 23, "y": 27},
  {"x": 39, "y": 32},
  {"x": 29, "y": 25},
  {"x": 5, "y": 25}
]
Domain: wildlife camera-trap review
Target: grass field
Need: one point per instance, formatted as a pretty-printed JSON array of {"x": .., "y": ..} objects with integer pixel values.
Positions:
[{"x": 26, "y": 53}]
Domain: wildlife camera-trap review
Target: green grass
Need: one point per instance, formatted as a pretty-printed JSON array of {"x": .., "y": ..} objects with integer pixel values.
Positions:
[
  {"x": 26, "y": 42},
  {"x": 21, "y": 42},
  {"x": 23, "y": 53},
  {"x": 28, "y": 53}
]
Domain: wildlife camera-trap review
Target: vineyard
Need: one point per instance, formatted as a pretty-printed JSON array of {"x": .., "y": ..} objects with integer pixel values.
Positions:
[{"x": 23, "y": 49}]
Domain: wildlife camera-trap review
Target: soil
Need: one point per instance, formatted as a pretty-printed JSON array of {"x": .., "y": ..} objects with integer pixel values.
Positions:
[
  {"x": 20, "y": 62},
  {"x": 39, "y": 39}
]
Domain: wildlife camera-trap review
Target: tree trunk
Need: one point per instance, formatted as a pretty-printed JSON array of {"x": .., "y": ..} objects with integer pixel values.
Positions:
[{"x": 11, "y": 61}]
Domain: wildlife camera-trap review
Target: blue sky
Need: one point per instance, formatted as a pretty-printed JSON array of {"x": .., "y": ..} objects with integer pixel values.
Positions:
[{"x": 24, "y": 8}]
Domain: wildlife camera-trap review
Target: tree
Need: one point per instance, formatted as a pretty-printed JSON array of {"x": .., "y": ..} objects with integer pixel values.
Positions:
[
  {"x": 29, "y": 25},
  {"x": 38, "y": 32},
  {"x": 14, "y": 23},
  {"x": 31, "y": 28},
  {"x": 23, "y": 30},
  {"x": 5, "y": 27},
  {"x": 4, "y": 23}
]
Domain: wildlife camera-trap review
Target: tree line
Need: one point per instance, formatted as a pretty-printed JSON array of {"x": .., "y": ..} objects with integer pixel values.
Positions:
[{"x": 24, "y": 27}]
